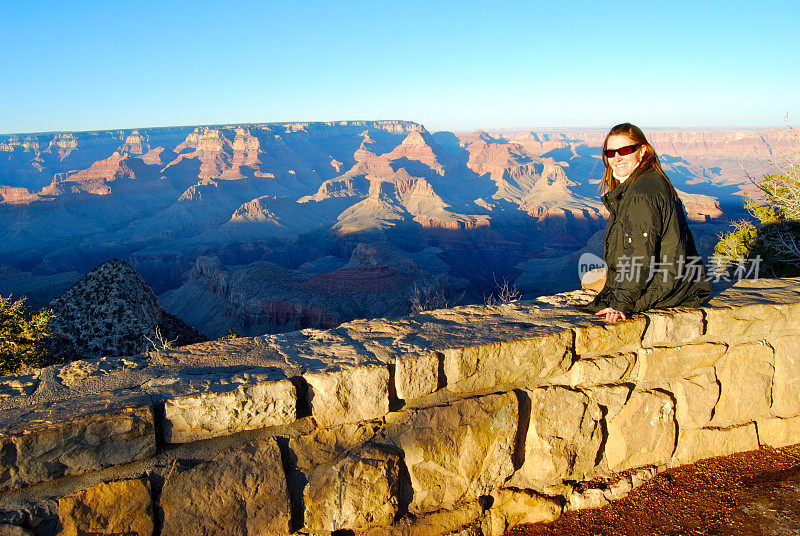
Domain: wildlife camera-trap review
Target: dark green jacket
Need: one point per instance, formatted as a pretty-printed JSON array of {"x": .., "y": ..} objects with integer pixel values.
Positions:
[{"x": 650, "y": 255}]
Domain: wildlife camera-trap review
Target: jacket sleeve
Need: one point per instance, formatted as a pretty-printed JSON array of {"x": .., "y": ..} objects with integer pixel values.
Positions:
[{"x": 641, "y": 225}]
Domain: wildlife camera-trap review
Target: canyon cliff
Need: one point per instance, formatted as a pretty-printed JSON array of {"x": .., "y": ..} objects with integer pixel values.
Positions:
[{"x": 267, "y": 227}]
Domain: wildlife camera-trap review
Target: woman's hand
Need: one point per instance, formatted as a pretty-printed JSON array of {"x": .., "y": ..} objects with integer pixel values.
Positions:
[{"x": 612, "y": 315}]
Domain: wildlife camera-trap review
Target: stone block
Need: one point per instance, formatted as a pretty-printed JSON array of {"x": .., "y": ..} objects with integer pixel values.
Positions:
[
  {"x": 786, "y": 384},
  {"x": 610, "y": 338},
  {"x": 589, "y": 498},
  {"x": 672, "y": 327},
  {"x": 596, "y": 497},
  {"x": 761, "y": 291},
  {"x": 359, "y": 393},
  {"x": 695, "y": 398},
  {"x": 696, "y": 445},
  {"x": 456, "y": 453},
  {"x": 611, "y": 398},
  {"x": 642, "y": 433},
  {"x": 751, "y": 322},
  {"x": 440, "y": 523},
  {"x": 123, "y": 508},
  {"x": 776, "y": 432},
  {"x": 562, "y": 441},
  {"x": 512, "y": 363},
  {"x": 745, "y": 375},
  {"x": 217, "y": 413},
  {"x": 240, "y": 492},
  {"x": 70, "y": 438},
  {"x": 326, "y": 445},
  {"x": 357, "y": 492},
  {"x": 655, "y": 364},
  {"x": 599, "y": 370},
  {"x": 416, "y": 374},
  {"x": 628, "y": 482},
  {"x": 512, "y": 507}
]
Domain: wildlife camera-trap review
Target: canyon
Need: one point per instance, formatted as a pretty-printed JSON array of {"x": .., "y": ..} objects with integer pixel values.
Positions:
[{"x": 263, "y": 228}]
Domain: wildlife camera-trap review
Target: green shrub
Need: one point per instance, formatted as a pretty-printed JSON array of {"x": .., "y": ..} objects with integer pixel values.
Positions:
[
  {"x": 23, "y": 336},
  {"x": 230, "y": 335},
  {"x": 775, "y": 238}
]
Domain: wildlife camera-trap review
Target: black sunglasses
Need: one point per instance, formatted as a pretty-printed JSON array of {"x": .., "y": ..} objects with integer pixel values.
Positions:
[{"x": 622, "y": 151}]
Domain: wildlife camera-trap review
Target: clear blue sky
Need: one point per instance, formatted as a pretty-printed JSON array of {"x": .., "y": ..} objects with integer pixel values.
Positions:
[{"x": 87, "y": 65}]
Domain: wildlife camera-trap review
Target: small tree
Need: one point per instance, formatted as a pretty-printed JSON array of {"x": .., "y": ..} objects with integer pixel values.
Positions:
[
  {"x": 775, "y": 238},
  {"x": 428, "y": 297},
  {"x": 23, "y": 336},
  {"x": 504, "y": 292}
]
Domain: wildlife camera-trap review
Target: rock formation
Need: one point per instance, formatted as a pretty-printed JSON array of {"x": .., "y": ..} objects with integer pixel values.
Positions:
[
  {"x": 264, "y": 297},
  {"x": 112, "y": 312},
  {"x": 469, "y": 209}
]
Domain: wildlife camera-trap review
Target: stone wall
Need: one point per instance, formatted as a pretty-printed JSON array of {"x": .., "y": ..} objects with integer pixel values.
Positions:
[{"x": 461, "y": 421}]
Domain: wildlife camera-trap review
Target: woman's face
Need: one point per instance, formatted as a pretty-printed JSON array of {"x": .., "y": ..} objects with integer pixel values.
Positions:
[{"x": 624, "y": 165}]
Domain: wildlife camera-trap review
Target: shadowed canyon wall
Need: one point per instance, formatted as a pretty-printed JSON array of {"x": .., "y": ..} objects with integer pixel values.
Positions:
[
  {"x": 460, "y": 421},
  {"x": 264, "y": 228}
]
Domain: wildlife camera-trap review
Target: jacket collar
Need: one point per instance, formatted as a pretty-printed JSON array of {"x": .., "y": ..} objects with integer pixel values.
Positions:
[{"x": 611, "y": 198}]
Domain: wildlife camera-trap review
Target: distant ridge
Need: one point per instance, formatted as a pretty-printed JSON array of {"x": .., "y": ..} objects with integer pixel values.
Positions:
[{"x": 446, "y": 214}]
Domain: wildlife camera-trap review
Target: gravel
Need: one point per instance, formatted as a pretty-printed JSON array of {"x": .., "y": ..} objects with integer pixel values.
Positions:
[{"x": 754, "y": 493}]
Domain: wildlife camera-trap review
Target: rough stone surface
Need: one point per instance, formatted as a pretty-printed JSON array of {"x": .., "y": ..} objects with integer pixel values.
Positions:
[
  {"x": 511, "y": 508},
  {"x": 608, "y": 338},
  {"x": 76, "y": 373},
  {"x": 14, "y": 530},
  {"x": 611, "y": 398},
  {"x": 695, "y": 399},
  {"x": 655, "y": 364},
  {"x": 627, "y": 483},
  {"x": 43, "y": 444},
  {"x": 509, "y": 364},
  {"x": 599, "y": 370},
  {"x": 326, "y": 445},
  {"x": 786, "y": 385},
  {"x": 473, "y": 529},
  {"x": 360, "y": 491},
  {"x": 589, "y": 498},
  {"x": 562, "y": 440},
  {"x": 440, "y": 523},
  {"x": 695, "y": 445},
  {"x": 416, "y": 375},
  {"x": 123, "y": 508},
  {"x": 777, "y": 432},
  {"x": 349, "y": 395},
  {"x": 597, "y": 497},
  {"x": 745, "y": 375},
  {"x": 762, "y": 291},
  {"x": 672, "y": 327},
  {"x": 457, "y": 453},
  {"x": 18, "y": 384},
  {"x": 239, "y": 492},
  {"x": 214, "y": 413},
  {"x": 112, "y": 311},
  {"x": 642, "y": 433},
  {"x": 751, "y": 321}
]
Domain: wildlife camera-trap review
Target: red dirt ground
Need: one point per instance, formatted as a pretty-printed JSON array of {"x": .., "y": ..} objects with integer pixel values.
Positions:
[{"x": 754, "y": 493}]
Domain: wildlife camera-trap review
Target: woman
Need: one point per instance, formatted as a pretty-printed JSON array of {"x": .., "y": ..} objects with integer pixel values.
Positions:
[{"x": 650, "y": 255}]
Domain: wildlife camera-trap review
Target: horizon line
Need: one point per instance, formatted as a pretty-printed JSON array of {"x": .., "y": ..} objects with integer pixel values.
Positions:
[{"x": 454, "y": 131}]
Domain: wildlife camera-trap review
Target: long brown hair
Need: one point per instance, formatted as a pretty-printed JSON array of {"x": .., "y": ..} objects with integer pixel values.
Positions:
[{"x": 649, "y": 160}]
